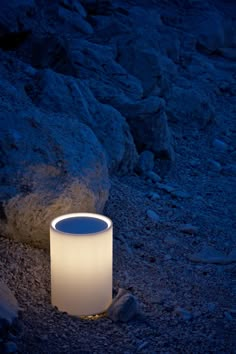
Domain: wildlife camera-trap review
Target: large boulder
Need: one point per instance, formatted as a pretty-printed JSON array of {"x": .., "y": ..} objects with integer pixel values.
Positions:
[
  {"x": 108, "y": 80},
  {"x": 109, "y": 126},
  {"x": 147, "y": 61},
  {"x": 149, "y": 126},
  {"x": 50, "y": 165},
  {"x": 189, "y": 105}
]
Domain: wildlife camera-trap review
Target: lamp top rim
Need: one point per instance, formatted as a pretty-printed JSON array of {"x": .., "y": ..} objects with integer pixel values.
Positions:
[{"x": 100, "y": 217}]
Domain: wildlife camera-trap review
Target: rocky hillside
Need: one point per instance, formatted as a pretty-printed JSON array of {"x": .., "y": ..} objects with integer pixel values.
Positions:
[{"x": 127, "y": 105}]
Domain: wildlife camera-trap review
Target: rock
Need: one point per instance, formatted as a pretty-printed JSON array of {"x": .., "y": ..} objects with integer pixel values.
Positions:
[
  {"x": 167, "y": 257},
  {"x": 219, "y": 145},
  {"x": 154, "y": 177},
  {"x": 154, "y": 136},
  {"x": 74, "y": 5},
  {"x": 9, "y": 308},
  {"x": 180, "y": 194},
  {"x": 212, "y": 256},
  {"x": 214, "y": 165},
  {"x": 153, "y": 196},
  {"x": 228, "y": 316},
  {"x": 211, "y": 307},
  {"x": 10, "y": 347},
  {"x": 46, "y": 90},
  {"x": 145, "y": 162},
  {"x": 51, "y": 165},
  {"x": 97, "y": 63},
  {"x": 188, "y": 229},
  {"x": 166, "y": 187},
  {"x": 123, "y": 308},
  {"x": 143, "y": 61},
  {"x": 229, "y": 170},
  {"x": 153, "y": 216},
  {"x": 183, "y": 313},
  {"x": 171, "y": 240},
  {"x": 191, "y": 106},
  {"x": 75, "y": 20}
]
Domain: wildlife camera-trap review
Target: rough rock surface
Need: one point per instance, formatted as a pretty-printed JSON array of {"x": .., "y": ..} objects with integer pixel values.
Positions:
[
  {"x": 108, "y": 79},
  {"x": 46, "y": 171}
]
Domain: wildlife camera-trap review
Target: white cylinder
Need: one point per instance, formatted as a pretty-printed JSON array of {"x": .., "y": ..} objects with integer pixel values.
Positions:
[{"x": 81, "y": 263}]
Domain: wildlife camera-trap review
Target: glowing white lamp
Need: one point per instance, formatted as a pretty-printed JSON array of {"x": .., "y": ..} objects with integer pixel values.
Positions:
[{"x": 81, "y": 263}]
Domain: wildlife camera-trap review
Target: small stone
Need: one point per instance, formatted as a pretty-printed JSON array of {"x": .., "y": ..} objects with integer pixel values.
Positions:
[
  {"x": 228, "y": 316},
  {"x": 153, "y": 196},
  {"x": 212, "y": 256},
  {"x": 167, "y": 257},
  {"x": 171, "y": 240},
  {"x": 153, "y": 216},
  {"x": 186, "y": 315},
  {"x": 124, "y": 307},
  {"x": 219, "y": 145},
  {"x": 10, "y": 347},
  {"x": 166, "y": 187},
  {"x": 142, "y": 346},
  {"x": 153, "y": 176},
  {"x": 194, "y": 162},
  {"x": 145, "y": 162},
  {"x": 180, "y": 194},
  {"x": 214, "y": 165},
  {"x": 188, "y": 229},
  {"x": 229, "y": 170},
  {"x": 211, "y": 307}
]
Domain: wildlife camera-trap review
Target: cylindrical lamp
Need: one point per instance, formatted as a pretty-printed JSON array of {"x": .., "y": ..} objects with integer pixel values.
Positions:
[{"x": 81, "y": 263}]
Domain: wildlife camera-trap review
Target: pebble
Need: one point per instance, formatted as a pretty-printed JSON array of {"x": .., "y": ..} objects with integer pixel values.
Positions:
[
  {"x": 153, "y": 216},
  {"x": 166, "y": 187},
  {"x": 228, "y": 316},
  {"x": 214, "y": 165},
  {"x": 188, "y": 229},
  {"x": 171, "y": 240},
  {"x": 142, "y": 346},
  {"x": 211, "y": 307},
  {"x": 124, "y": 307},
  {"x": 186, "y": 315},
  {"x": 229, "y": 170},
  {"x": 153, "y": 196},
  {"x": 219, "y": 145},
  {"x": 167, "y": 257},
  {"x": 145, "y": 162},
  {"x": 180, "y": 194},
  {"x": 153, "y": 176},
  {"x": 210, "y": 255},
  {"x": 194, "y": 162}
]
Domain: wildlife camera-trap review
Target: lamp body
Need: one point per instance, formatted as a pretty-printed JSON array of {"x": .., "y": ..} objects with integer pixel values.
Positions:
[{"x": 81, "y": 263}]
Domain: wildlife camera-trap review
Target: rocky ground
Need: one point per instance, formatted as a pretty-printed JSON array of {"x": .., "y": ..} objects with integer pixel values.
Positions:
[
  {"x": 187, "y": 300},
  {"x": 173, "y": 107}
]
